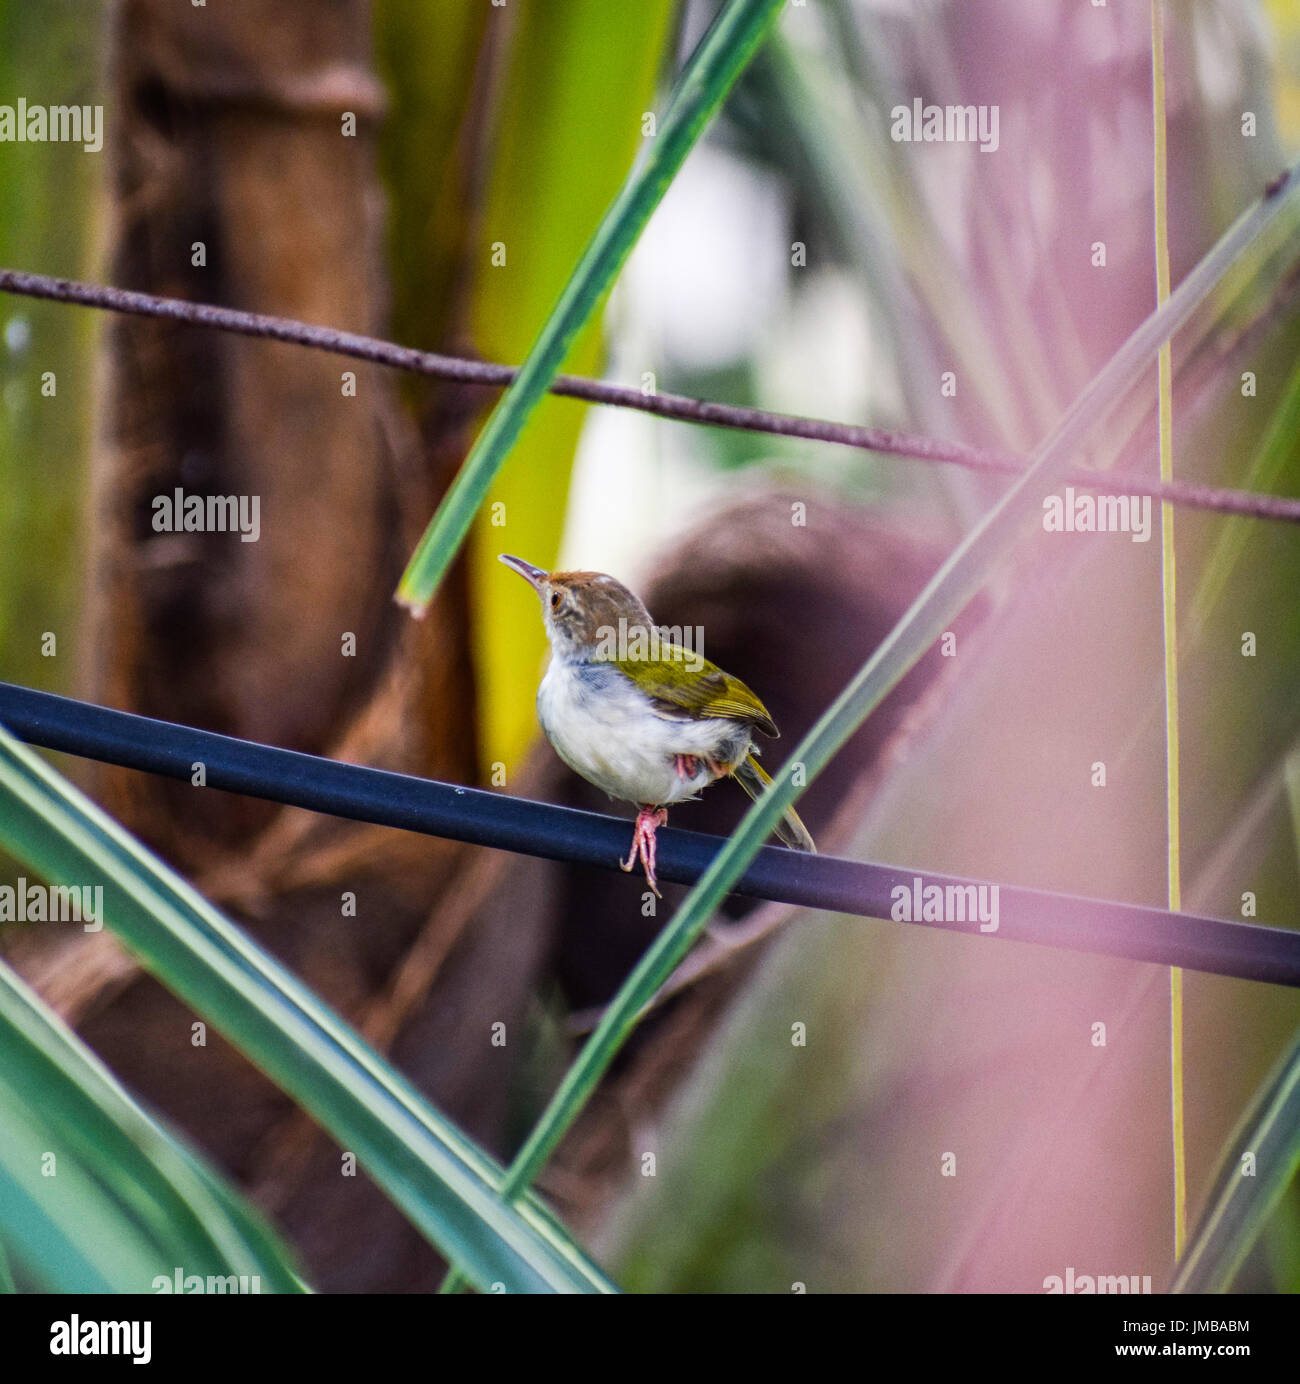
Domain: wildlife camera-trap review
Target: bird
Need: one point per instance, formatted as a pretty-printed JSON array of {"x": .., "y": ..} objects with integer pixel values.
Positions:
[{"x": 651, "y": 722}]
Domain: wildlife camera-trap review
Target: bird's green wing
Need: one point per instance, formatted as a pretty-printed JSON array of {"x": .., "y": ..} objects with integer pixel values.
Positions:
[{"x": 684, "y": 684}]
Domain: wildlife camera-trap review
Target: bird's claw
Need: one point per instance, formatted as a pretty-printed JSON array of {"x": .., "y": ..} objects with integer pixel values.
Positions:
[
  {"x": 688, "y": 765},
  {"x": 648, "y": 819}
]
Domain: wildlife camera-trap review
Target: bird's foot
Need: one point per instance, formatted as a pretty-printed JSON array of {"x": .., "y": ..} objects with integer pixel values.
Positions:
[
  {"x": 648, "y": 819},
  {"x": 687, "y": 766}
]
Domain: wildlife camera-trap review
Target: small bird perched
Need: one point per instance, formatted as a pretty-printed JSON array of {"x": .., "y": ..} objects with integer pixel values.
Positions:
[{"x": 650, "y": 722}]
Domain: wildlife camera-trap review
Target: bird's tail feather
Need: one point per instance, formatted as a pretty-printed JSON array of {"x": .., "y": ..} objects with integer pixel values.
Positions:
[{"x": 790, "y": 829}]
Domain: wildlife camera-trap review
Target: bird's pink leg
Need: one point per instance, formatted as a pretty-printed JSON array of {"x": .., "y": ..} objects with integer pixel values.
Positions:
[
  {"x": 685, "y": 765},
  {"x": 648, "y": 819}
]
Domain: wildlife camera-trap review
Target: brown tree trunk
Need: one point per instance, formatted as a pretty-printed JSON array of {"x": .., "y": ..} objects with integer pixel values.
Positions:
[{"x": 246, "y": 176}]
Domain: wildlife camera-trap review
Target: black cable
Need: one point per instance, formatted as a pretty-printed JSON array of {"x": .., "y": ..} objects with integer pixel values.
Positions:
[{"x": 473, "y": 815}]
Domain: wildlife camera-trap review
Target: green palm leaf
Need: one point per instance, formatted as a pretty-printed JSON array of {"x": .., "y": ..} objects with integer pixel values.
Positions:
[
  {"x": 97, "y": 1195},
  {"x": 448, "y": 1188},
  {"x": 700, "y": 89},
  {"x": 1261, "y": 1159}
]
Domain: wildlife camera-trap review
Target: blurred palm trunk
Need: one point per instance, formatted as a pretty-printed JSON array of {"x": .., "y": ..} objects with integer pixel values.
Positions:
[
  {"x": 241, "y": 182},
  {"x": 247, "y": 175}
]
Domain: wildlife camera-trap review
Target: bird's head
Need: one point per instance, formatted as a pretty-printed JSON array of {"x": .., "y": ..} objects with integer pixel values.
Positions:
[{"x": 582, "y": 610}]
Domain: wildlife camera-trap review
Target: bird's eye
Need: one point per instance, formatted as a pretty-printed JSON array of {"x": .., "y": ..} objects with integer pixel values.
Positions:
[{"x": 556, "y": 598}]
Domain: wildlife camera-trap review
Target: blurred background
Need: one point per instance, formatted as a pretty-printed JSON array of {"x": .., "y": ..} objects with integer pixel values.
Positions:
[{"x": 802, "y": 261}]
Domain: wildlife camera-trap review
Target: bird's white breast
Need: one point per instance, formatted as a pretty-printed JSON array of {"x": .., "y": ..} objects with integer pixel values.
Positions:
[{"x": 608, "y": 731}]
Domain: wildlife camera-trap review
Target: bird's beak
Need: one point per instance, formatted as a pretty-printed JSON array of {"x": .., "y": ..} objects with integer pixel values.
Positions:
[{"x": 534, "y": 576}]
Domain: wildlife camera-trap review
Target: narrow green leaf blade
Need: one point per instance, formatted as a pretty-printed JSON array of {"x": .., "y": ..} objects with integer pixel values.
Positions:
[
  {"x": 1240, "y": 1203},
  {"x": 719, "y": 59},
  {"x": 1266, "y": 469},
  {"x": 448, "y": 1188},
  {"x": 125, "y": 1199}
]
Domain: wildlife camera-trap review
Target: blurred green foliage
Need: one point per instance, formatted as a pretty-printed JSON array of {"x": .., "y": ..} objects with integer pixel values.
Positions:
[
  {"x": 555, "y": 125},
  {"x": 49, "y": 195}
]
